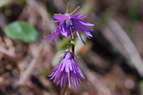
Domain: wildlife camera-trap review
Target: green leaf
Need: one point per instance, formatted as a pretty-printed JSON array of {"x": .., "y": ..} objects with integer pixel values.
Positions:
[{"x": 21, "y": 31}]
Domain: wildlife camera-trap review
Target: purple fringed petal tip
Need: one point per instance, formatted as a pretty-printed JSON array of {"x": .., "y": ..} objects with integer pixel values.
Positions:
[
  {"x": 67, "y": 72},
  {"x": 69, "y": 23}
]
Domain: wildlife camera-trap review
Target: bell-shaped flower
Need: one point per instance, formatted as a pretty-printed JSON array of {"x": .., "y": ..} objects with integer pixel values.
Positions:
[
  {"x": 69, "y": 23},
  {"x": 67, "y": 72}
]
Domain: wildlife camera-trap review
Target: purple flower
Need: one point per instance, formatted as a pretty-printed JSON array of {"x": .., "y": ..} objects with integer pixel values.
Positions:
[
  {"x": 69, "y": 23},
  {"x": 67, "y": 72}
]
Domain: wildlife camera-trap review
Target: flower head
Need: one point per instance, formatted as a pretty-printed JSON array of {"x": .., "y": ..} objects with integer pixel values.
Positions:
[
  {"x": 69, "y": 23},
  {"x": 67, "y": 72}
]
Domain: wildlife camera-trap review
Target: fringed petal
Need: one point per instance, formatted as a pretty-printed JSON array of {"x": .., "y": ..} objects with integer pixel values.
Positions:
[
  {"x": 80, "y": 27},
  {"x": 69, "y": 73},
  {"x": 86, "y": 23},
  {"x": 88, "y": 34},
  {"x": 53, "y": 35},
  {"x": 79, "y": 36},
  {"x": 65, "y": 31},
  {"x": 78, "y": 16},
  {"x": 60, "y": 17}
]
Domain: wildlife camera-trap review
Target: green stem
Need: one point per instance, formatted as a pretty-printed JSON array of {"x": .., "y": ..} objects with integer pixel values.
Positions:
[{"x": 72, "y": 43}]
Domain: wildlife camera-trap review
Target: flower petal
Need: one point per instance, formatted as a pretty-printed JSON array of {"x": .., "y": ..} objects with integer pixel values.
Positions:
[
  {"x": 75, "y": 83},
  {"x": 78, "y": 16},
  {"x": 79, "y": 26},
  {"x": 60, "y": 17},
  {"x": 79, "y": 36},
  {"x": 65, "y": 30},
  {"x": 88, "y": 34},
  {"x": 86, "y": 23},
  {"x": 81, "y": 74},
  {"x": 53, "y": 35}
]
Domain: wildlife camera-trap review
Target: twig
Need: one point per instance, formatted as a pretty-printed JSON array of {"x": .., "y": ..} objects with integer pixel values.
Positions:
[
  {"x": 26, "y": 74},
  {"x": 95, "y": 80},
  {"x": 99, "y": 84},
  {"x": 7, "y": 47},
  {"x": 120, "y": 40},
  {"x": 7, "y": 52}
]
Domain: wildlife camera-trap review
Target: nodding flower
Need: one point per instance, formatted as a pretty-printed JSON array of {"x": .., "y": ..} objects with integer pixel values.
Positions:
[
  {"x": 69, "y": 23},
  {"x": 67, "y": 72}
]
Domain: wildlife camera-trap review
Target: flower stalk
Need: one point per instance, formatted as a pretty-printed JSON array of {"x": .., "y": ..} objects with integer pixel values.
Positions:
[{"x": 72, "y": 42}]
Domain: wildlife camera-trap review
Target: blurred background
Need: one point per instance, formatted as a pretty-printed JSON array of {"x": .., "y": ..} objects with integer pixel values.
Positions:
[{"x": 112, "y": 60}]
